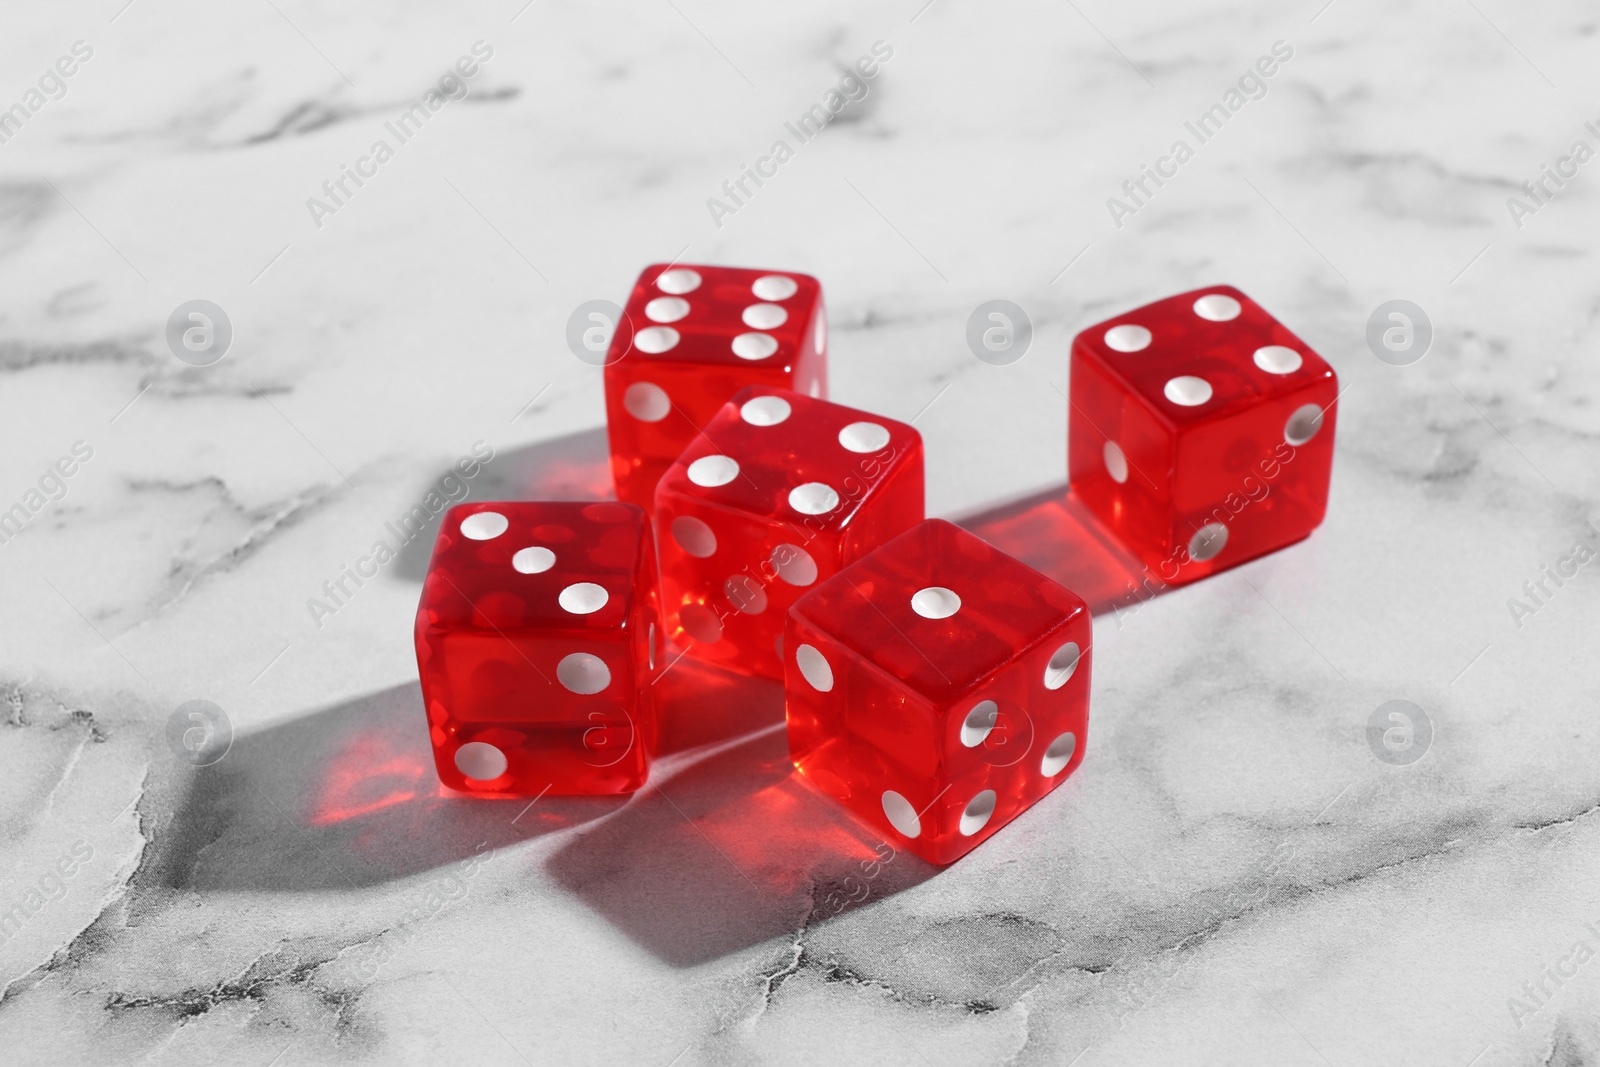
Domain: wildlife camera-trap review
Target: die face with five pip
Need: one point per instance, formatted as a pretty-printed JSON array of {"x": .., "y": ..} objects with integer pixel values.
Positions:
[
  {"x": 1200, "y": 431},
  {"x": 778, "y": 493},
  {"x": 937, "y": 688},
  {"x": 691, "y": 337},
  {"x": 538, "y": 636}
]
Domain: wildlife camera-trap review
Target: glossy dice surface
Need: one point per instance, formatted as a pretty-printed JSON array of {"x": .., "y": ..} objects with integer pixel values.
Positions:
[
  {"x": 1201, "y": 431},
  {"x": 537, "y": 638},
  {"x": 691, "y": 337},
  {"x": 779, "y": 492},
  {"x": 937, "y": 688}
]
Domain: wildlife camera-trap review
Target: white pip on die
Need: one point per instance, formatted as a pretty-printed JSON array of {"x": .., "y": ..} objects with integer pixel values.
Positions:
[{"x": 779, "y": 491}]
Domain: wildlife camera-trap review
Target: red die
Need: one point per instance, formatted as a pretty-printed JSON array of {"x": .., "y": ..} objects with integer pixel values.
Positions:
[
  {"x": 778, "y": 491},
  {"x": 1201, "y": 431},
  {"x": 937, "y": 688},
  {"x": 537, "y": 638},
  {"x": 689, "y": 339}
]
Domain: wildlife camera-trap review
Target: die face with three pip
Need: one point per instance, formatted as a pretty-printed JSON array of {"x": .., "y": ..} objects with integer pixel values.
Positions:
[
  {"x": 538, "y": 637},
  {"x": 937, "y": 688},
  {"x": 1200, "y": 431},
  {"x": 691, "y": 337},
  {"x": 779, "y": 492}
]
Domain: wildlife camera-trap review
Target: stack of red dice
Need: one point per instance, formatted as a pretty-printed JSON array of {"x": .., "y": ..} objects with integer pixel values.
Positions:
[{"x": 934, "y": 686}]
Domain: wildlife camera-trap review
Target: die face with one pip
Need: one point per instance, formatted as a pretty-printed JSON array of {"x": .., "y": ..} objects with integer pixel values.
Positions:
[
  {"x": 538, "y": 636},
  {"x": 1200, "y": 431},
  {"x": 691, "y": 337},
  {"x": 778, "y": 493},
  {"x": 937, "y": 688}
]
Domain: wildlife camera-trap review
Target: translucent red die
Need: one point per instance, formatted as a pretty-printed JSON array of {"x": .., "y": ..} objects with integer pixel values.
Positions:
[
  {"x": 691, "y": 337},
  {"x": 538, "y": 636},
  {"x": 1200, "y": 431},
  {"x": 779, "y": 491},
  {"x": 937, "y": 688}
]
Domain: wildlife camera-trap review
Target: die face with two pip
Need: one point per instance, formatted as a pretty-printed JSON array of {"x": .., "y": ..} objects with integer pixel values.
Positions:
[
  {"x": 537, "y": 637},
  {"x": 1200, "y": 431},
  {"x": 778, "y": 493},
  {"x": 937, "y": 688},
  {"x": 691, "y": 337}
]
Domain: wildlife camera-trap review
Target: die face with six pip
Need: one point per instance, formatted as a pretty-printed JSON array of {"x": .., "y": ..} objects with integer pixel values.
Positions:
[
  {"x": 1201, "y": 431},
  {"x": 779, "y": 492},
  {"x": 691, "y": 337},
  {"x": 538, "y": 636},
  {"x": 937, "y": 688}
]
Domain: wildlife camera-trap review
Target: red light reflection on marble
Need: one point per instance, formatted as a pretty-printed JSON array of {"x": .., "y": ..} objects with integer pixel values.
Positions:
[
  {"x": 728, "y": 850},
  {"x": 1054, "y": 533},
  {"x": 781, "y": 836},
  {"x": 367, "y": 775},
  {"x": 569, "y": 479}
]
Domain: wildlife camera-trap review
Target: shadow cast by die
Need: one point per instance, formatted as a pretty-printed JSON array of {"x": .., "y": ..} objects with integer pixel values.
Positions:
[
  {"x": 1052, "y": 532},
  {"x": 727, "y": 851},
  {"x": 341, "y": 798}
]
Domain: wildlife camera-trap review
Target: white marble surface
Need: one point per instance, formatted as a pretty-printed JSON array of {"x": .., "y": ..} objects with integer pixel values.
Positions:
[{"x": 1232, "y": 877}]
